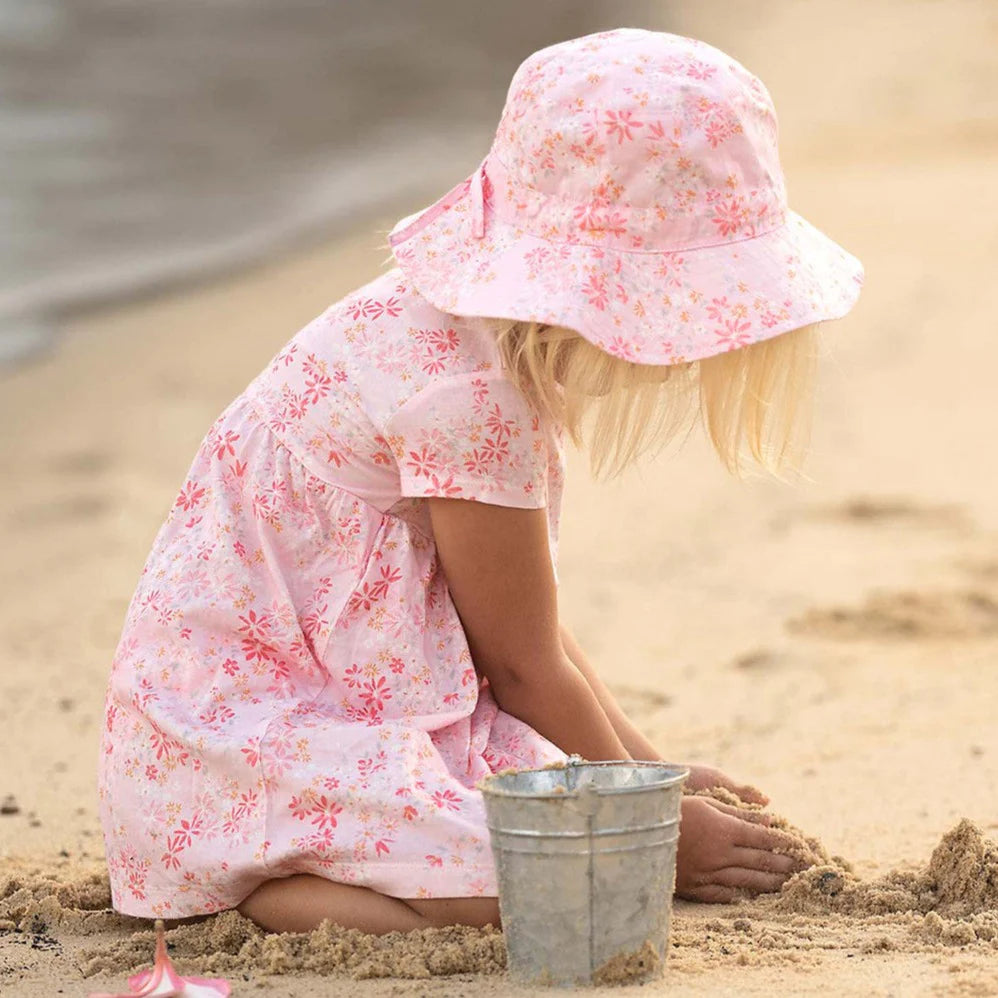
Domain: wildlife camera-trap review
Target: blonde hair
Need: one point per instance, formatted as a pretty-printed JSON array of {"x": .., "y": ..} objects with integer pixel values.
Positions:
[{"x": 754, "y": 401}]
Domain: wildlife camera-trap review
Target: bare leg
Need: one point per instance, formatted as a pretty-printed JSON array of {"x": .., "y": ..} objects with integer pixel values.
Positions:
[
  {"x": 300, "y": 902},
  {"x": 458, "y": 911}
]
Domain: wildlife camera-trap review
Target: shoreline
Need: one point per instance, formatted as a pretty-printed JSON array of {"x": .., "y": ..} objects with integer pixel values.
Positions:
[{"x": 34, "y": 314}]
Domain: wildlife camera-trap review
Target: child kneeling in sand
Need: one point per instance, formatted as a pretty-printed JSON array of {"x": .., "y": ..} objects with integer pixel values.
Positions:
[{"x": 350, "y": 617}]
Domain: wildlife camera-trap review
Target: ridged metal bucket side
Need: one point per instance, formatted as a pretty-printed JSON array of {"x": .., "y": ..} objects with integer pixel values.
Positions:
[{"x": 586, "y": 874}]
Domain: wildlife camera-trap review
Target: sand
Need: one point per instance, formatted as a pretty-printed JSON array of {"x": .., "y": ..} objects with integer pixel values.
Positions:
[
  {"x": 831, "y": 642},
  {"x": 966, "y": 613},
  {"x": 805, "y": 848},
  {"x": 639, "y": 965},
  {"x": 950, "y": 901},
  {"x": 40, "y": 905}
]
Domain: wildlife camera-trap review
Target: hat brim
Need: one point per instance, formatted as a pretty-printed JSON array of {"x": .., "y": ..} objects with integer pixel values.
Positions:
[{"x": 644, "y": 306}]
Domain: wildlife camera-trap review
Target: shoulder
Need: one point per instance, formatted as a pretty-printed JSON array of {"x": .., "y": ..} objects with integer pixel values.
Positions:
[
  {"x": 441, "y": 377},
  {"x": 380, "y": 345},
  {"x": 400, "y": 345},
  {"x": 384, "y": 389},
  {"x": 390, "y": 311},
  {"x": 454, "y": 421},
  {"x": 473, "y": 436}
]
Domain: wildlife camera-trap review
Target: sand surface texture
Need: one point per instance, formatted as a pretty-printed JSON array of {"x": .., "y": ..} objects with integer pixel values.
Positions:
[{"x": 834, "y": 643}]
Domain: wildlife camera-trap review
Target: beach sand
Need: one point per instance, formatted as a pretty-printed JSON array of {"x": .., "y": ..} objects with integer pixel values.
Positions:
[{"x": 835, "y": 643}]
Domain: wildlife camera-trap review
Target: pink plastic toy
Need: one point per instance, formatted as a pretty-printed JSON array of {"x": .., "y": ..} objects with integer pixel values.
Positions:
[{"x": 162, "y": 981}]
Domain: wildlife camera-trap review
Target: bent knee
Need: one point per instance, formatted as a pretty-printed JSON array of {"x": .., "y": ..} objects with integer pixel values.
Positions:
[
  {"x": 477, "y": 911},
  {"x": 255, "y": 904},
  {"x": 281, "y": 904},
  {"x": 299, "y": 902}
]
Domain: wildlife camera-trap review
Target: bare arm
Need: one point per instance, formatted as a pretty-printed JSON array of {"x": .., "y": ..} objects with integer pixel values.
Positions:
[
  {"x": 498, "y": 568},
  {"x": 499, "y": 573},
  {"x": 701, "y": 777},
  {"x": 636, "y": 744}
]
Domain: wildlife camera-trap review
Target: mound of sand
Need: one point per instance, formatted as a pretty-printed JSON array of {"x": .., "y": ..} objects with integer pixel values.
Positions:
[
  {"x": 228, "y": 943},
  {"x": 43, "y": 904},
  {"x": 961, "y": 877},
  {"x": 36, "y": 899},
  {"x": 959, "y": 884},
  {"x": 950, "y": 901}
]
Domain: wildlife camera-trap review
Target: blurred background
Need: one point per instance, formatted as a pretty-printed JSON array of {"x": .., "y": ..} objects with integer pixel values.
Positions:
[
  {"x": 187, "y": 183},
  {"x": 144, "y": 142}
]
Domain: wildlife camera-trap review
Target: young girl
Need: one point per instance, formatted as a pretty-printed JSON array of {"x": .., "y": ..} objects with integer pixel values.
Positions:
[{"x": 349, "y": 616}]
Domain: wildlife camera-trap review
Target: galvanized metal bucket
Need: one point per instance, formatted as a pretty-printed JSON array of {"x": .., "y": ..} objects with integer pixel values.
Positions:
[{"x": 585, "y": 855}]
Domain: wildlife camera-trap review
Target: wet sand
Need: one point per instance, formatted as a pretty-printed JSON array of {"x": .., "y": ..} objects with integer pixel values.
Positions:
[
  {"x": 833, "y": 642},
  {"x": 145, "y": 144}
]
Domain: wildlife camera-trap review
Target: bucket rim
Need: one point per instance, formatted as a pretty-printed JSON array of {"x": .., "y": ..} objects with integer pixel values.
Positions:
[{"x": 675, "y": 775}]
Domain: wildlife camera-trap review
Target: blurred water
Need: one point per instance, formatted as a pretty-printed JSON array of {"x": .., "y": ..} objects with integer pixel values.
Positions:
[{"x": 148, "y": 141}]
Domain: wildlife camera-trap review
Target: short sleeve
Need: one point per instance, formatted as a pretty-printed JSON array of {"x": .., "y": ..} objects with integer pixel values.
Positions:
[{"x": 471, "y": 436}]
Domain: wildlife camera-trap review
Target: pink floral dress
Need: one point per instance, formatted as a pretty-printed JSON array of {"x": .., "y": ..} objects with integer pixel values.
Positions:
[{"x": 293, "y": 691}]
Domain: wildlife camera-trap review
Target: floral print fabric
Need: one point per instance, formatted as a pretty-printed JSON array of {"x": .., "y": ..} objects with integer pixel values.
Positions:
[
  {"x": 293, "y": 691},
  {"x": 633, "y": 192}
]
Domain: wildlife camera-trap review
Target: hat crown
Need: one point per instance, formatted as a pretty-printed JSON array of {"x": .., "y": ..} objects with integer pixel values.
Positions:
[
  {"x": 637, "y": 139},
  {"x": 632, "y": 193}
]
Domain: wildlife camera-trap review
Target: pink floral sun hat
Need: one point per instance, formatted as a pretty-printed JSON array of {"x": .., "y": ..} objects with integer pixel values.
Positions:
[{"x": 633, "y": 193}]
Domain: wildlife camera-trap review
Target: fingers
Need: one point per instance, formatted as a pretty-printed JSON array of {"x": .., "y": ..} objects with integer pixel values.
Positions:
[
  {"x": 733, "y": 883},
  {"x": 745, "y": 791},
  {"x": 745, "y": 814},
  {"x": 750, "y": 794},
  {"x": 739, "y": 877},
  {"x": 753, "y": 832},
  {"x": 762, "y": 838},
  {"x": 755, "y": 836},
  {"x": 763, "y": 859}
]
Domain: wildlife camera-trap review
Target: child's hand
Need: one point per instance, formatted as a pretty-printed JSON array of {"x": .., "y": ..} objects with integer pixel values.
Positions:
[
  {"x": 725, "y": 851},
  {"x": 705, "y": 777}
]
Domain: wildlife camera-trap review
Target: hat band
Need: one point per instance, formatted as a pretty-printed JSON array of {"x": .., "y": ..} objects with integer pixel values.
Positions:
[{"x": 717, "y": 218}]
